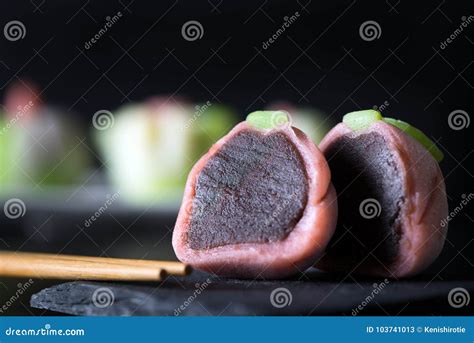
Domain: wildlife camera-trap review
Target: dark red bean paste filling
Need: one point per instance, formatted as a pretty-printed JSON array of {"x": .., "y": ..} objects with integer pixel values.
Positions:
[
  {"x": 363, "y": 168},
  {"x": 253, "y": 190}
]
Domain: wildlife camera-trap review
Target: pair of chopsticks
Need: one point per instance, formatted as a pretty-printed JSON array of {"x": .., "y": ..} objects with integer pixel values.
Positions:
[{"x": 73, "y": 267}]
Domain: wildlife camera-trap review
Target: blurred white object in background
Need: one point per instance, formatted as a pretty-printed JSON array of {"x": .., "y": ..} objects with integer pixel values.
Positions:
[
  {"x": 145, "y": 150},
  {"x": 151, "y": 147}
]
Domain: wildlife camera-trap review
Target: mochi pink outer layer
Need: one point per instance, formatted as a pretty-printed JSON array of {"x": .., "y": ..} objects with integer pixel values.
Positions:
[
  {"x": 295, "y": 253},
  {"x": 425, "y": 206}
]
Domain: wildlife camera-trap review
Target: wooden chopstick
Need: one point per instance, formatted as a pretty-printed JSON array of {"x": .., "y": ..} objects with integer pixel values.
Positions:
[
  {"x": 86, "y": 267},
  {"x": 171, "y": 268}
]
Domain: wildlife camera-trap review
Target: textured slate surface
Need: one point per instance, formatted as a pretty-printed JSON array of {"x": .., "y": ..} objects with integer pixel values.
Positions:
[{"x": 316, "y": 294}]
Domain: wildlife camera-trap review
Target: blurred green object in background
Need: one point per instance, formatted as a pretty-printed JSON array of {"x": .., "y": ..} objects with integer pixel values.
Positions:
[
  {"x": 212, "y": 122},
  {"x": 312, "y": 122},
  {"x": 42, "y": 150},
  {"x": 3, "y": 151},
  {"x": 40, "y": 146},
  {"x": 151, "y": 147}
]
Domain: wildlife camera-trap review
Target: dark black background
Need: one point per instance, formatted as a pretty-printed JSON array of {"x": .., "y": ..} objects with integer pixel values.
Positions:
[{"x": 320, "y": 61}]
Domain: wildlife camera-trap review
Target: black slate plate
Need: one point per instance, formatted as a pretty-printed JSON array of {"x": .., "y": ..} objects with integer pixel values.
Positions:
[{"x": 202, "y": 295}]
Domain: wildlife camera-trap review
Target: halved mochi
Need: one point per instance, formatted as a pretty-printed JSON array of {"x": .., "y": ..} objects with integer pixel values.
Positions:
[
  {"x": 391, "y": 197},
  {"x": 259, "y": 204}
]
